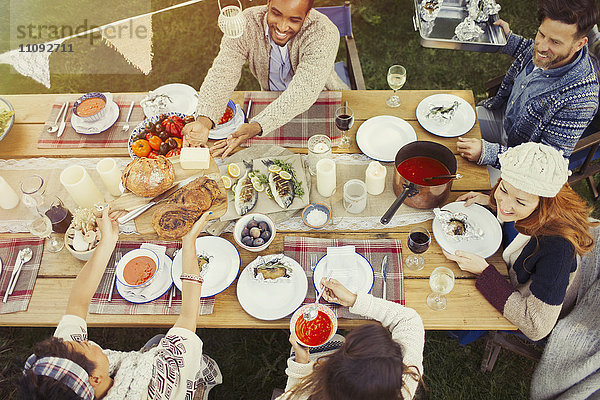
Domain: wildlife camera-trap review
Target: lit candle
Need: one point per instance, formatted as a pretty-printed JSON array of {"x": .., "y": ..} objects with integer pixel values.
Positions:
[
  {"x": 80, "y": 186},
  {"x": 110, "y": 174},
  {"x": 326, "y": 177},
  {"x": 8, "y": 197},
  {"x": 375, "y": 178}
]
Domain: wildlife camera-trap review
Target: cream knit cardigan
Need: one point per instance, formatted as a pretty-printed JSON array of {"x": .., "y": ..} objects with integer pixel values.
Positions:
[{"x": 312, "y": 55}]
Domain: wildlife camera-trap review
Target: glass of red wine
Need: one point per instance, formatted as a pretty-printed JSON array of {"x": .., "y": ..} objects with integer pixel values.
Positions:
[
  {"x": 419, "y": 240},
  {"x": 53, "y": 209},
  {"x": 344, "y": 119}
]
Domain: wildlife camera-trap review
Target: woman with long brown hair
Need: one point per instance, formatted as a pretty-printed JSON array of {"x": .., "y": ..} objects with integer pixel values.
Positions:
[
  {"x": 382, "y": 361},
  {"x": 545, "y": 231}
]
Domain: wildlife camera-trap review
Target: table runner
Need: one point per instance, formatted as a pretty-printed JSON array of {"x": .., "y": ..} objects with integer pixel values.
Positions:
[
  {"x": 319, "y": 118},
  {"x": 9, "y": 248},
  {"x": 301, "y": 249},
  {"x": 118, "y": 305},
  {"x": 113, "y": 137}
]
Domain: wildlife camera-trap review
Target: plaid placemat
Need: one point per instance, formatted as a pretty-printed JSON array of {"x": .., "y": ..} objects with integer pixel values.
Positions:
[
  {"x": 9, "y": 248},
  {"x": 113, "y": 137},
  {"x": 118, "y": 305},
  {"x": 319, "y": 118},
  {"x": 302, "y": 249}
]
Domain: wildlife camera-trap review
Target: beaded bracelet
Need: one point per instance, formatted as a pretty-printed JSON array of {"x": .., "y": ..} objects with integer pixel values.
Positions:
[{"x": 190, "y": 277}]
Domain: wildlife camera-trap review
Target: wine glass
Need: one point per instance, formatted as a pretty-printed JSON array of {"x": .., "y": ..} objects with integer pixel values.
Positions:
[
  {"x": 32, "y": 188},
  {"x": 419, "y": 240},
  {"x": 41, "y": 226},
  {"x": 441, "y": 282},
  {"x": 396, "y": 77},
  {"x": 344, "y": 119}
]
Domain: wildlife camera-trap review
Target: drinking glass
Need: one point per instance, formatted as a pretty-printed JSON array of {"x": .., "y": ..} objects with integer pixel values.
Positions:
[
  {"x": 396, "y": 78},
  {"x": 418, "y": 242},
  {"x": 344, "y": 119},
  {"x": 319, "y": 146},
  {"x": 59, "y": 215},
  {"x": 32, "y": 189},
  {"x": 41, "y": 226},
  {"x": 441, "y": 282}
]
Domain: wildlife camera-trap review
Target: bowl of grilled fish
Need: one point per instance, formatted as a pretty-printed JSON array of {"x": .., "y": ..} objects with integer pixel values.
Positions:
[{"x": 254, "y": 232}]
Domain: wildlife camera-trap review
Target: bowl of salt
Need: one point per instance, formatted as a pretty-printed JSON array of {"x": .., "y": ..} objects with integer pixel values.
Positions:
[{"x": 316, "y": 215}]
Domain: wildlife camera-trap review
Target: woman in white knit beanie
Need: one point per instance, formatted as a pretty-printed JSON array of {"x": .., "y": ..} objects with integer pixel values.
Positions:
[{"x": 545, "y": 231}]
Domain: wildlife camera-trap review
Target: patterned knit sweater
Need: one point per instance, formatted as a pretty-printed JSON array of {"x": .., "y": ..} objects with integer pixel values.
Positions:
[
  {"x": 406, "y": 327},
  {"x": 557, "y": 116},
  {"x": 312, "y": 54},
  {"x": 543, "y": 283}
]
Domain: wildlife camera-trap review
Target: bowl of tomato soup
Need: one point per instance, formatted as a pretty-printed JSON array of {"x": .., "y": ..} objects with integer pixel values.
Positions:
[
  {"x": 92, "y": 106},
  {"x": 137, "y": 268},
  {"x": 316, "y": 332}
]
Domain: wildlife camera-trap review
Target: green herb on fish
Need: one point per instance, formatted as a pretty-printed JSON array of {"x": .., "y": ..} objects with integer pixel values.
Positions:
[{"x": 287, "y": 167}]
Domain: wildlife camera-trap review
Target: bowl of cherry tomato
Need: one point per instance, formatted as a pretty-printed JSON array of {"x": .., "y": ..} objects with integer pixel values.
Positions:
[
  {"x": 228, "y": 116},
  {"x": 158, "y": 135}
]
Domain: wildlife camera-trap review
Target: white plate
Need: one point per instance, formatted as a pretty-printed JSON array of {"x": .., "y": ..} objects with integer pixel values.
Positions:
[
  {"x": 95, "y": 127},
  {"x": 270, "y": 301},
  {"x": 480, "y": 217},
  {"x": 221, "y": 133},
  {"x": 363, "y": 277},
  {"x": 461, "y": 123},
  {"x": 6, "y": 106},
  {"x": 184, "y": 97},
  {"x": 161, "y": 285},
  {"x": 222, "y": 270},
  {"x": 381, "y": 137}
]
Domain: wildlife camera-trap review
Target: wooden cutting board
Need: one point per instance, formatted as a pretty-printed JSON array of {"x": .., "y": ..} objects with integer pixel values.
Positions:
[{"x": 129, "y": 201}]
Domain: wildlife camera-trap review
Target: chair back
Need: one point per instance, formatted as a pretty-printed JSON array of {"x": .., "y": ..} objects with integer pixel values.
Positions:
[{"x": 340, "y": 16}]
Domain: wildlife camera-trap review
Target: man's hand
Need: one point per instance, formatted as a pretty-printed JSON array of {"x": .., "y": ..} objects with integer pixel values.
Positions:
[
  {"x": 468, "y": 261},
  {"x": 469, "y": 148},
  {"x": 224, "y": 147},
  {"x": 504, "y": 25},
  {"x": 195, "y": 134}
]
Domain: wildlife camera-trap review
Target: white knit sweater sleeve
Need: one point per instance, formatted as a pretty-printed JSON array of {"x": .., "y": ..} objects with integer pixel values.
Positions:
[{"x": 406, "y": 327}]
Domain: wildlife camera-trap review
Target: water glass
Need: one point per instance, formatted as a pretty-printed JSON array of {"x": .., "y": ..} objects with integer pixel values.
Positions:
[
  {"x": 319, "y": 146},
  {"x": 32, "y": 189},
  {"x": 355, "y": 196}
]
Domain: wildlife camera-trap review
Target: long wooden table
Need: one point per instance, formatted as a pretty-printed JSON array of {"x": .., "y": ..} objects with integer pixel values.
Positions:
[{"x": 467, "y": 308}]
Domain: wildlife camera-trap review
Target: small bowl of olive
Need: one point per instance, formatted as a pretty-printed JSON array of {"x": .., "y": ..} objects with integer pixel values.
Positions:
[{"x": 254, "y": 232}]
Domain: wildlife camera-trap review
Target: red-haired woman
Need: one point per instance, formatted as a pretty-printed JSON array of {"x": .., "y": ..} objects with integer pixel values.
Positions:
[
  {"x": 382, "y": 361},
  {"x": 546, "y": 230}
]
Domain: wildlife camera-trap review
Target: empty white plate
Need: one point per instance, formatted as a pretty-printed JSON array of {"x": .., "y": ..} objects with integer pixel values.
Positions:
[
  {"x": 184, "y": 99},
  {"x": 381, "y": 137},
  {"x": 461, "y": 123},
  {"x": 361, "y": 278}
]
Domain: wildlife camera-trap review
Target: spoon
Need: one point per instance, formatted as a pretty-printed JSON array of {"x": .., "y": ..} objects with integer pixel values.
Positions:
[
  {"x": 54, "y": 127},
  {"x": 312, "y": 311},
  {"x": 24, "y": 256},
  {"x": 453, "y": 176}
]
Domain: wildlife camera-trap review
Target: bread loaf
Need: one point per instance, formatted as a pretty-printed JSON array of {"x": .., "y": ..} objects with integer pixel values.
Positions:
[{"x": 148, "y": 177}]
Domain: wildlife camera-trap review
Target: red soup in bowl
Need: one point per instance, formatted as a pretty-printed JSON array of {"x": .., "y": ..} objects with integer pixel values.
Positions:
[
  {"x": 139, "y": 270},
  {"x": 315, "y": 332}
]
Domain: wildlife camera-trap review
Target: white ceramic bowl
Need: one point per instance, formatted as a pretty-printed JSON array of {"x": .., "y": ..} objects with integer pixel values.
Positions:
[
  {"x": 320, "y": 307},
  {"x": 107, "y": 97},
  {"x": 130, "y": 256},
  {"x": 80, "y": 255},
  {"x": 243, "y": 221}
]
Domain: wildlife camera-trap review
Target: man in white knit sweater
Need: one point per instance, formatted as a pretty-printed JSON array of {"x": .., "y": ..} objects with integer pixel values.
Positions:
[{"x": 290, "y": 48}]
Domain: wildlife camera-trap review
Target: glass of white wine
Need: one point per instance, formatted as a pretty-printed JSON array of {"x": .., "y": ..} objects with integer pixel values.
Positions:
[
  {"x": 41, "y": 226},
  {"x": 396, "y": 78},
  {"x": 441, "y": 282}
]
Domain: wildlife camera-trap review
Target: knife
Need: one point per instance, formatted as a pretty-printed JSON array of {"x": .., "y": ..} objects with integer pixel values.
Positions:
[
  {"x": 61, "y": 127},
  {"x": 155, "y": 200},
  {"x": 384, "y": 264},
  {"x": 248, "y": 111}
]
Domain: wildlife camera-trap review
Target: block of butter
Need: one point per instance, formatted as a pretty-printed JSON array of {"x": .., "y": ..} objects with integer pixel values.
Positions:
[{"x": 194, "y": 158}]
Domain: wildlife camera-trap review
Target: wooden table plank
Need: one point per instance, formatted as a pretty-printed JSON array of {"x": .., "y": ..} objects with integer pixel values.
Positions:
[{"x": 50, "y": 297}]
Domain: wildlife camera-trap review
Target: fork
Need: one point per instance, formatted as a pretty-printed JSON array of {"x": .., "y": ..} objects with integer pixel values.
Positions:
[
  {"x": 313, "y": 261},
  {"x": 114, "y": 278},
  {"x": 54, "y": 126},
  {"x": 126, "y": 126}
]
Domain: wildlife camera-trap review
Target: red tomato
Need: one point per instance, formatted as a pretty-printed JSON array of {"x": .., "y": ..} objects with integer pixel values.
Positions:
[
  {"x": 226, "y": 116},
  {"x": 174, "y": 152},
  {"x": 153, "y": 154}
]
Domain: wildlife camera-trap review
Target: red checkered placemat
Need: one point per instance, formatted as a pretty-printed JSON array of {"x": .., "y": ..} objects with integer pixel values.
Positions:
[
  {"x": 113, "y": 137},
  {"x": 319, "y": 118},
  {"x": 9, "y": 248},
  {"x": 118, "y": 305},
  {"x": 302, "y": 250}
]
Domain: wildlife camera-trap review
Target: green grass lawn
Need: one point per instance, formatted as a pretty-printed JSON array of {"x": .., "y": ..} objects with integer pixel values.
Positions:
[{"x": 185, "y": 42}]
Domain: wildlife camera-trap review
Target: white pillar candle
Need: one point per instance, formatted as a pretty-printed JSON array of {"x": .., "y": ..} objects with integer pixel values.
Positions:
[
  {"x": 326, "y": 177},
  {"x": 110, "y": 174},
  {"x": 8, "y": 197},
  {"x": 80, "y": 186},
  {"x": 375, "y": 178}
]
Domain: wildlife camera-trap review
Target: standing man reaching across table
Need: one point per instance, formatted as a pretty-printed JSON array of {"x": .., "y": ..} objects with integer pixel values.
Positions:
[
  {"x": 289, "y": 48},
  {"x": 550, "y": 93}
]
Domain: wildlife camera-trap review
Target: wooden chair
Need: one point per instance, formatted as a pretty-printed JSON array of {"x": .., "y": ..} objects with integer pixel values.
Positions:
[
  {"x": 502, "y": 340},
  {"x": 350, "y": 71}
]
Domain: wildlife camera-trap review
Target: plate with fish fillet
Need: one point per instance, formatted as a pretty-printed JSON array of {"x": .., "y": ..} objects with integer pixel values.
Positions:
[
  {"x": 272, "y": 287},
  {"x": 446, "y": 115},
  {"x": 266, "y": 185}
]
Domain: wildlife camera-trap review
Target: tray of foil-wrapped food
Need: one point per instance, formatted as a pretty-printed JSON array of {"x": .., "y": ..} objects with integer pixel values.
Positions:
[
  {"x": 474, "y": 229},
  {"x": 459, "y": 24},
  {"x": 271, "y": 287}
]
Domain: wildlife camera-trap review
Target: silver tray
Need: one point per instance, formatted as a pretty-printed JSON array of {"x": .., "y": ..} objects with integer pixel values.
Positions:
[{"x": 439, "y": 34}]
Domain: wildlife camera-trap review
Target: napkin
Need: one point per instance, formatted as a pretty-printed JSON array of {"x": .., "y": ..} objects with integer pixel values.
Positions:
[
  {"x": 160, "y": 251},
  {"x": 341, "y": 263}
]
